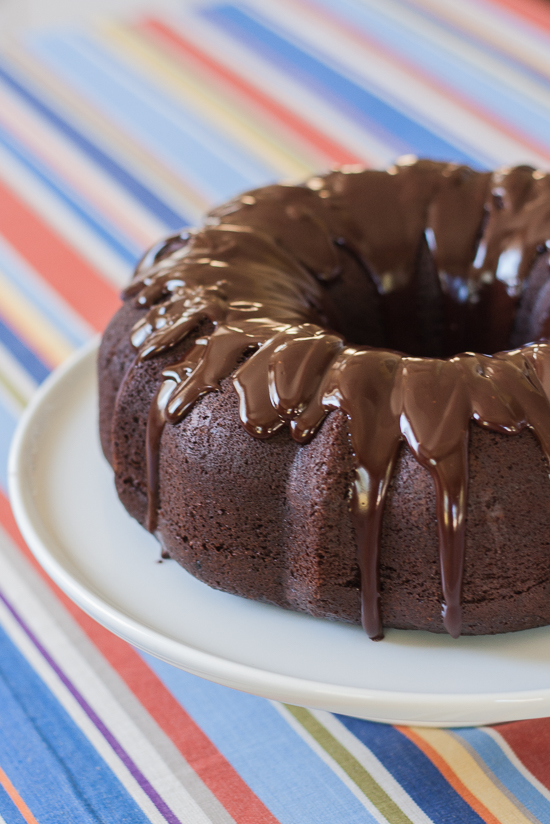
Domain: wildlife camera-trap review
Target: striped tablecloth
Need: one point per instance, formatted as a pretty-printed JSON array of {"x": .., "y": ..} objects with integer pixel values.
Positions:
[{"x": 110, "y": 138}]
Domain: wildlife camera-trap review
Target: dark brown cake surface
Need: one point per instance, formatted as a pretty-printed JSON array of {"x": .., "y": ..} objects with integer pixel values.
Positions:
[{"x": 288, "y": 400}]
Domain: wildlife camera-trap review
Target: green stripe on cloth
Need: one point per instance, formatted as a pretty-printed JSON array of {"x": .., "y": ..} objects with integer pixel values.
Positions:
[{"x": 353, "y": 769}]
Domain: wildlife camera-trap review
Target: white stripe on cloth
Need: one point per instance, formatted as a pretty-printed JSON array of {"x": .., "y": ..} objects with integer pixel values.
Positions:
[{"x": 366, "y": 759}]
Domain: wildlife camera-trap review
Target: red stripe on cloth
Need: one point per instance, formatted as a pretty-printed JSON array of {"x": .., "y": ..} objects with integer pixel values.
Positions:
[
  {"x": 530, "y": 740},
  {"x": 535, "y": 11},
  {"x": 69, "y": 274},
  {"x": 183, "y": 49},
  {"x": 198, "y": 750}
]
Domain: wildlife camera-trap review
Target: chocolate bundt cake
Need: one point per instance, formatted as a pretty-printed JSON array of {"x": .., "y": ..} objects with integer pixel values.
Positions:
[{"x": 292, "y": 400}]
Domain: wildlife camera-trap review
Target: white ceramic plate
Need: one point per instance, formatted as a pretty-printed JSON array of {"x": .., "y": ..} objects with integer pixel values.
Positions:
[{"x": 64, "y": 500}]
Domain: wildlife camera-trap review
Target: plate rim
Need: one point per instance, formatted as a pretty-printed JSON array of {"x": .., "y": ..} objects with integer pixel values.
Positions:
[{"x": 424, "y": 709}]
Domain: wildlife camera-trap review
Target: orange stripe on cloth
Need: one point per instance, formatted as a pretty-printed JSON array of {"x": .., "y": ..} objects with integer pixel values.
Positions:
[
  {"x": 58, "y": 263},
  {"x": 16, "y": 798},
  {"x": 181, "y": 48},
  {"x": 197, "y": 749},
  {"x": 449, "y": 775}
]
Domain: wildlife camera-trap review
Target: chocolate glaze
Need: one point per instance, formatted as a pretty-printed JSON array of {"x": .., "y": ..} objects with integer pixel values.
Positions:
[{"x": 264, "y": 271}]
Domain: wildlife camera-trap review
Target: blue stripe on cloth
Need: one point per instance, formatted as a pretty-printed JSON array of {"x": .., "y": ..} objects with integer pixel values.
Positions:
[
  {"x": 50, "y": 762},
  {"x": 102, "y": 227},
  {"x": 366, "y": 107},
  {"x": 172, "y": 219},
  {"x": 506, "y": 772},
  {"x": 21, "y": 352},
  {"x": 42, "y": 297},
  {"x": 289, "y": 778},
  {"x": 206, "y": 159},
  {"x": 471, "y": 81},
  {"x": 413, "y": 771},
  {"x": 7, "y": 427},
  {"x": 8, "y": 811}
]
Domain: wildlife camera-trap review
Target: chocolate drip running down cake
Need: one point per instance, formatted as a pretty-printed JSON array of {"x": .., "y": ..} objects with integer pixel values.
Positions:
[{"x": 293, "y": 400}]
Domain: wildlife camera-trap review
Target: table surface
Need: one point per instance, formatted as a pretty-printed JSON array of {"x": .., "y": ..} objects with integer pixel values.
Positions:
[{"x": 115, "y": 130}]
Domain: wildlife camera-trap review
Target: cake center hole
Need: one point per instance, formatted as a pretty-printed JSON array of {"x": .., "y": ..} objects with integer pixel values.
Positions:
[{"x": 438, "y": 317}]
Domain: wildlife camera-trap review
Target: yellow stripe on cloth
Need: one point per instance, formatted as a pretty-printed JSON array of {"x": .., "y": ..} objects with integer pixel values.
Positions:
[
  {"x": 42, "y": 337},
  {"x": 477, "y": 781},
  {"x": 10, "y": 397},
  {"x": 210, "y": 105}
]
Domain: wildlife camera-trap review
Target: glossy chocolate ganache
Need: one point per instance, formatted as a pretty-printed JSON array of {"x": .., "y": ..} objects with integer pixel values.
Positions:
[{"x": 442, "y": 263}]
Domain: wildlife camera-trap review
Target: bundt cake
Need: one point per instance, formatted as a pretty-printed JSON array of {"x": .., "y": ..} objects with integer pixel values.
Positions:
[{"x": 335, "y": 444}]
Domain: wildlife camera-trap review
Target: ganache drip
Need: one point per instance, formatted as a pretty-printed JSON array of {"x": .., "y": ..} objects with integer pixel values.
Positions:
[{"x": 261, "y": 272}]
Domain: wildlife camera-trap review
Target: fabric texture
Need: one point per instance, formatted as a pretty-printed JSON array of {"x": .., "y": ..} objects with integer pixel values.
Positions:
[{"x": 109, "y": 139}]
